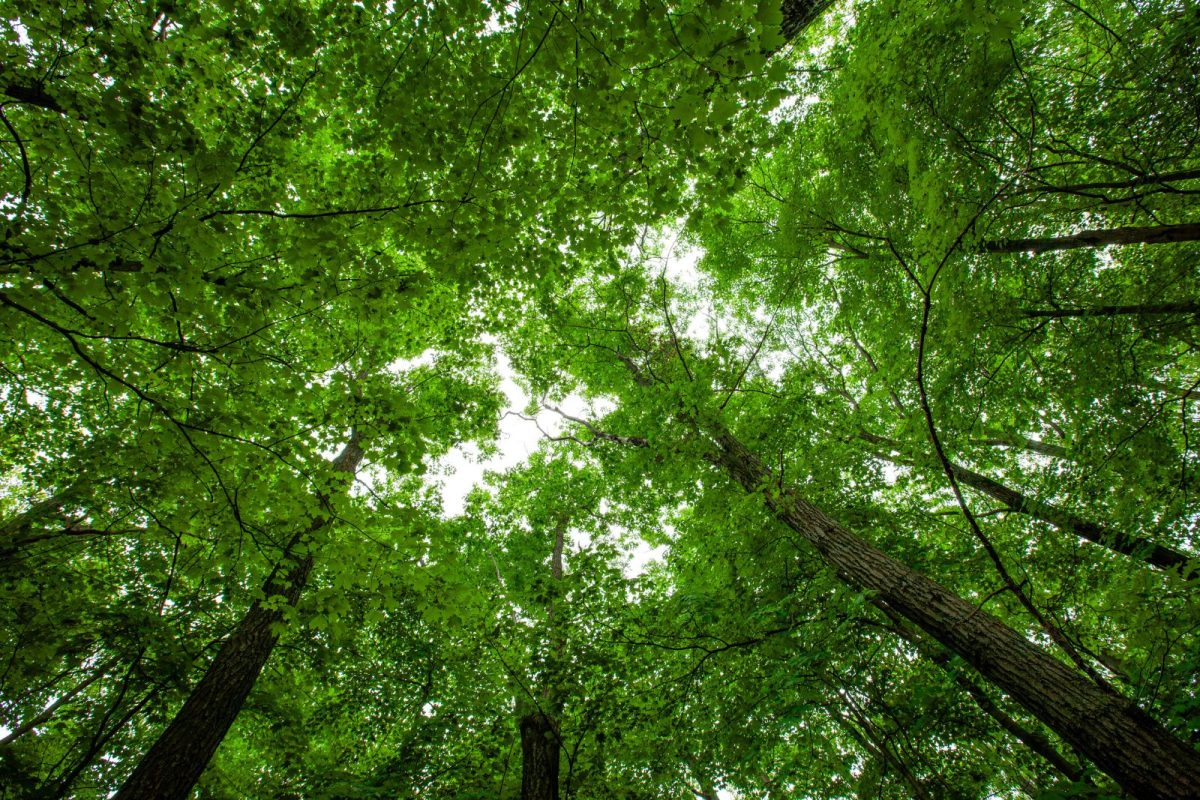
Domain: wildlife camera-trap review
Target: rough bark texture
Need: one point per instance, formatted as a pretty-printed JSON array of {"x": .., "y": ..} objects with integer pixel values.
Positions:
[
  {"x": 1155, "y": 234},
  {"x": 1122, "y": 740},
  {"x": 176, "y": 760},
  {"x": 1034, "y": 740},
  {"x": 540, "y": 743},
  {"x": 539, "y": 757}
]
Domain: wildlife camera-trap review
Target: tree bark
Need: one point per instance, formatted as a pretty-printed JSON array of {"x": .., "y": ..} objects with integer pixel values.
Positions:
[
  {"x": 1020, "y": 442},
  {"x": 33, "y": 94},
  {"x": 1156, "y": 555},
  {"x": 176, "y": 760},
  {"x": 1129, "y": 183},
  {"x": 539, "y": 757},
  {"x": 1034, "y": 740},
  {"x": 1121, "y": 739},
  {"x": 1156, "y": 234},
  {"x": 1113, "y": 311},
  {"x": 540, "y": 740},
  {"x": 799, "y": 14}
]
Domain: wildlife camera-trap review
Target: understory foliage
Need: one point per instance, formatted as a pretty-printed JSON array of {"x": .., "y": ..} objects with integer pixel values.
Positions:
[{"x": 945, "y": 289}]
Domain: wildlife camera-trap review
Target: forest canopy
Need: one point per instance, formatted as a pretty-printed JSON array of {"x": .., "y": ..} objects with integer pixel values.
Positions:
[{"x": 859, "y": 344}]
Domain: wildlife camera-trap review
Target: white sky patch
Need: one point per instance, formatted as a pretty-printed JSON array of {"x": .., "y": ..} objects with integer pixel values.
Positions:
[
  {"x": 678, "y": 261},
  {"x": 642, "y": 556},
  {"x": 21, "y": 31},
  {"x": 462, "y": 469}
]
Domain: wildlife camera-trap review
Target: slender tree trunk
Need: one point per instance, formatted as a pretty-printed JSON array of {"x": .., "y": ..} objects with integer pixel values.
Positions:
[
  {"x": 21, "y": 523},
  {"x": 176, "y": 760},
  {"x": 1189, "y": 393},
  {"x": 1156, "y": 234},
  {"x": 1155, "y": 555},
  {"x": 540, "y": 740},
  {"x": 1113, "y": 311},
  {"x": 867, "y": 736},
  {"x": 1122, "y": 740},
  {"x": 62, "y": 788},
  {"x": 1129, "y": 183},
  {"x": 1019, "y": 442},
  {"x": 44, "y": 716}
]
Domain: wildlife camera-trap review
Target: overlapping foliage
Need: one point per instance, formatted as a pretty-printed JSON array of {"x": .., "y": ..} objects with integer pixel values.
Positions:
[{"x": 238, "y": 236}]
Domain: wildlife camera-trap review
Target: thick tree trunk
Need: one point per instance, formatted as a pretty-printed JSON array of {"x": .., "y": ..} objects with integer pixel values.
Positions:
[
  {"x": 1034, "y": 740},
  {"x": 539, "y": 757},
  {"x": 1155, "y": 234},
  {"x": 176, "y": 760},
  {"x": 1156, "y": 555},
  {"x": 1121, "y": 739}
]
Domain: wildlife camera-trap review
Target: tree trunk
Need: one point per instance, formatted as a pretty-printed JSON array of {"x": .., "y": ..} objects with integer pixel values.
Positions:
[
  {"x": 867, "y": 736},
  {"x": 1020, "y": 442},
  {"x": 1156, "y": 555},
  {"x": 1121, "y": 739},
  {"x": 176, "y": 760},
  {"x": 539, "y": 757},
  {"x": 1156, "y": 234},
  {"x": 1126, "y": 544},
  {"x": 1113, "y": 311},
  {"x": 44, "y": 716},
  {"x": 540, "y": 741},
  {"x": 1034, "y": 740},
  {"x": 1129, "y": 183},
  {"x": 799, "y": 14}
]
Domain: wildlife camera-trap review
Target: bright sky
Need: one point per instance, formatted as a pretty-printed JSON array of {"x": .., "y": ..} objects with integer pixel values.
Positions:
[{"x": 462, "y": 469}]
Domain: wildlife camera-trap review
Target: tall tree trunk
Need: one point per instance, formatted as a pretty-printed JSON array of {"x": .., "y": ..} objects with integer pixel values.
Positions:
[
  {"x": 176, "y": 760},
  {"x": 1121, "y": 739},
  {"x": 1187, "y": 307},
  {"x": 1034, "y": 740},
  {"x": 1156, "y": 555},
  {"x": 1155, "y": 234},
  {"x": 539, "y": 757},
  {"x": 540, "y": 740}
]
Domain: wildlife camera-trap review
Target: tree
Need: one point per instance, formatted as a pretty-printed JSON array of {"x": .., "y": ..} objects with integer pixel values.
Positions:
[
  {"x": 914, "y": 442},
  {"x": 174, "y": 763}
]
